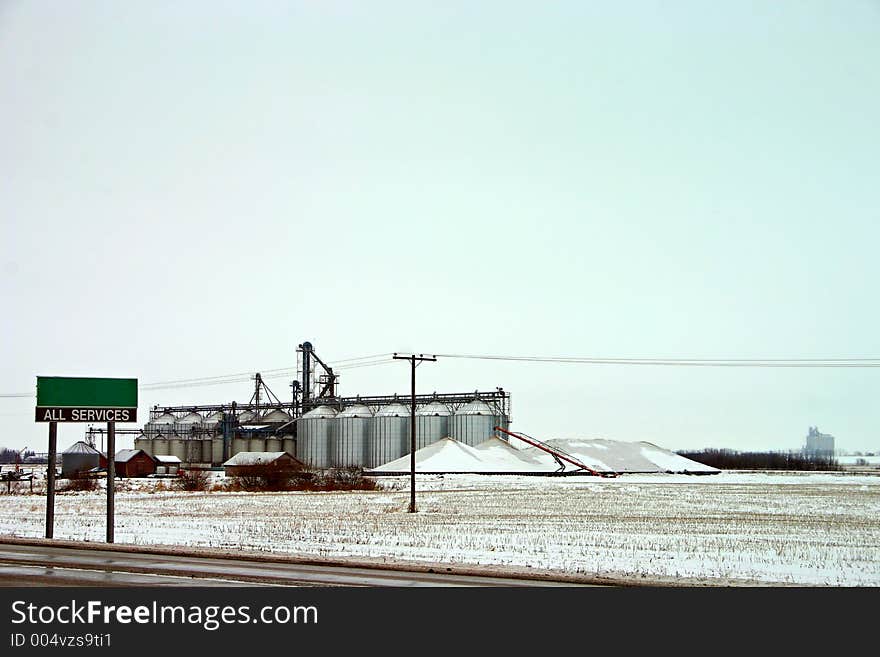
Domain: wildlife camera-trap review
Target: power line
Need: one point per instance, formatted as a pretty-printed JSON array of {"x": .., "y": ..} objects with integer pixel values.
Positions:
[
  {"x": 240, "y": 377},
  {"x": 683, "y": 362}
]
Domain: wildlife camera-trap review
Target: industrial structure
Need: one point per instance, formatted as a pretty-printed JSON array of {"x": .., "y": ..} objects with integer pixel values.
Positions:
[
  {"x": 818, "y": 443},
  {"x": 318, "y": 426}
]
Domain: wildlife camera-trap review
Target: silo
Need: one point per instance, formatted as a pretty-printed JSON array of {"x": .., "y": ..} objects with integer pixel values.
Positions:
[
  {"x": 288, "y": 444},
  {"x": 177, "y": 447},
  {"x": 432, "y": 424},
  {"x": 247, "y": 417},
  {"x": 390, "y": 435},
  {"x": 213, "y": 419},
  {"x": 163, "y": 424},
  {"x": 192, "y": 448},
  {"x": 239, "y": 444},
  {"x": 273, "y": 444},
  {"x": 161, "y": 446},
  {"x": 474, "y": 422},
  {"x": 314, "y": 432},
  {"x": 349, "y": 443},
  {"x": 275, "y": 417},
  {"x": 207, "y": 450},
  {"x": 144, "y": 443},
  {"x": 79, "y": 458},
  {"x": 256, "y": 444},
  {"x": 217, "y": 450}
]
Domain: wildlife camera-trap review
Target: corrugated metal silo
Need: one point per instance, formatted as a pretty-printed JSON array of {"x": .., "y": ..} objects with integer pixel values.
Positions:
[
  {"x": 314, "y": 432},
  {"x": 214, "y": 418},
  {"x": 177, "y": 447},
  {"x": 390, "y": 435},
  {"x": 144, "y": 443},
  {"x": 207, "y": 450},
  {"x": 349, "y": 444},
  {"x": 192, "y": 447},
  {"x": 78, "y": 458},
  {"x": 164, "y": 424},
  {"x": 217, "y": 450},
  {"x": 247, "y": 417},
  {"x": 275, "y": 417},
  {"x": 238, "y": 445},
  {"x": 288, "y": 444},
  {"x": 161, "y": 445},
  {"x": 474, "y": 422},
  {"x": 432, "y": 424}
]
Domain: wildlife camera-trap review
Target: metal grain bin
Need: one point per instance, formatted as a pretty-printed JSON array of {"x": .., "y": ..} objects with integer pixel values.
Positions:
[
  {"x": 192, "y": 447},
  {"x": 144, "y": 443},
  {"x": 161, "y": 445},
  {"x": 214, "y": 418},
  {"x": 247, "y": 417},
  {"x": 217, "y": 450},
  {"x": 191, "y": 418},
  {"x": 163, "y": 424},
  {"x": 314, "y": 433},
  {"x": 256, "y": 444},
  {"x": 239, "y": 445},
  {"x": 78, "y": 458},
  {"x": 288, "y": 444},
  {"x": 206, "y": 450},
  {"x": 274, "y": 445},
  {"x": 275, "y": 417},
  {"x": 474, "y": 422},
  {"x": 390, "y": 435},
  {"x": 177, "y": 447},
  {"x": 432, "y": 424},
  {"x": 349, "y": 444}
]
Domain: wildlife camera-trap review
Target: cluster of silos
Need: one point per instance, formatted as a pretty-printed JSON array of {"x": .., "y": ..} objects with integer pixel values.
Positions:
[
  {"x": 197, "y": 439},
  {"x": 357, "y": 437}
]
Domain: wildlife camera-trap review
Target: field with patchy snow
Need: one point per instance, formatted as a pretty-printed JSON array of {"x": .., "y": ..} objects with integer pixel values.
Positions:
[{"x": 813, "y": 529}]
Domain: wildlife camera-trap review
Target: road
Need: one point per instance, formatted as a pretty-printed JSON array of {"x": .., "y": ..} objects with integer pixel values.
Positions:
[{"x": 42, "y": 565}]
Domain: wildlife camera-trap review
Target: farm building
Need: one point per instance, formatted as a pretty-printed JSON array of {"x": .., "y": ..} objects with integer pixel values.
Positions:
[
  {"x": 134, "y": 463},
  {"x": 167, "y": 464},
  {"x": 80, "y": 458},
  {"x": 245, "y": 463}
]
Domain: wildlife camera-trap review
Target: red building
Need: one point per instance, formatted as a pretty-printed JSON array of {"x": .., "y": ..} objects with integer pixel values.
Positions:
[{"x": 134, "y": 463}]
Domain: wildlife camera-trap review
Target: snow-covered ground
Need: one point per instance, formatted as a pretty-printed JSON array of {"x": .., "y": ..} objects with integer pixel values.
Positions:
[{"x": 804, "y": 528}]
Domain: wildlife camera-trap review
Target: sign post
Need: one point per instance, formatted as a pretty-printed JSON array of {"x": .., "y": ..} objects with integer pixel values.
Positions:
[
  {"x": 72, "y": 399},
  {"x": 50, "y": 479}
]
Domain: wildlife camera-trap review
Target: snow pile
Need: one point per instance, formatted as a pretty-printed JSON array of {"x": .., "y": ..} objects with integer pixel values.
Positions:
[{"x": 494, "y": 456}]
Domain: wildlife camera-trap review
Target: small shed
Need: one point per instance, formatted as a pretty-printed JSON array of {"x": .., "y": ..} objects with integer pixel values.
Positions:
[
  {"x": 80, "y": 458},
  {"x": 167, "y": 464},
  {"x": 247, "y": 463},
  {"x": 134, "y": 463}
]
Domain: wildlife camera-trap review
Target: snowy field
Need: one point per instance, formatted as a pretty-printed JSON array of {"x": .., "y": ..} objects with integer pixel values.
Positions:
[{"x": 792, "y": 528}]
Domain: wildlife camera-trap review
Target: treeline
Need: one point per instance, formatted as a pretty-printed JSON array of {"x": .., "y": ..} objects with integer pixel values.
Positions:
[
  {"x": 8, "y": 455},
  {"x": 729, "y": 459}
]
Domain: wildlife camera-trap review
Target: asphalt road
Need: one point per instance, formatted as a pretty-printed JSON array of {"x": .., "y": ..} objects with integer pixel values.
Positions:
[{"x": 40, "y": 565}]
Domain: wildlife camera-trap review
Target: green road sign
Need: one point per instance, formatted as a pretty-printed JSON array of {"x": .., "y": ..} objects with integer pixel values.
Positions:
[{"x": 76, "y": 399}]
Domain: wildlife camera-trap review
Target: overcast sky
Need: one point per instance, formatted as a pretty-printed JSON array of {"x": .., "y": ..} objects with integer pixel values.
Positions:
[{"x": 192, "y": 189}]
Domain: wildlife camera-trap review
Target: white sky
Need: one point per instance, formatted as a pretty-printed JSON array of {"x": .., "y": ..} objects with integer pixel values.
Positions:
[{"x": 192, "y": 189}]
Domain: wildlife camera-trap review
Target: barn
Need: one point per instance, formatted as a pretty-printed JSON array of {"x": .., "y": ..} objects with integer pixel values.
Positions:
[{"x": 134, "y": 463}]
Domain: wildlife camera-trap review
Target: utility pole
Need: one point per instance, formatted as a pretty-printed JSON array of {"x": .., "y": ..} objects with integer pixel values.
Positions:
[{"x": 414, "y": 361}]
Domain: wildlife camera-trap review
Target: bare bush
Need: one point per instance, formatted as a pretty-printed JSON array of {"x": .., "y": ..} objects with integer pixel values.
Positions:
[
  {"x": 78, "y": 483},
  {"x": 192, "y": 480},
  {"x": 269, "y": 478}
]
